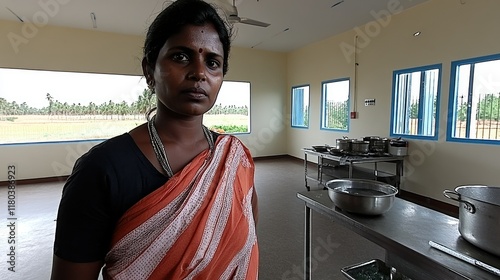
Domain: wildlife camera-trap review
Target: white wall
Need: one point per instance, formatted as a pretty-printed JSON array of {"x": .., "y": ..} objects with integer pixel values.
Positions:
[
  {"x": 450, "y": 31},
  {"x": 66, "y": 49}
]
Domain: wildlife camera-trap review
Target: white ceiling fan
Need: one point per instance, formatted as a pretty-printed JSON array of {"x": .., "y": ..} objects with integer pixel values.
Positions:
[{"x": 232, "y": 13}]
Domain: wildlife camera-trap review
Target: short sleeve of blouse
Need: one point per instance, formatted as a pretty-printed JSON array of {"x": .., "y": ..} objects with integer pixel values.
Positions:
[{"x": 84, "y": 225}]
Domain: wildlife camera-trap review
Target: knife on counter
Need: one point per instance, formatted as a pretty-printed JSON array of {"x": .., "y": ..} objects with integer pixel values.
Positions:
[{"x": 465, "y": 258}]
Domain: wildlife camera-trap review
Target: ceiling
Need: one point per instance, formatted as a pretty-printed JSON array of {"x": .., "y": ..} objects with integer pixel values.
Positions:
[{"x": 294, "y": 23}]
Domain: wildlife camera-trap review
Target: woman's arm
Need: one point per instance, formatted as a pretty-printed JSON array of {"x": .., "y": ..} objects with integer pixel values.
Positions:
[{"x": 63, "y": 270}]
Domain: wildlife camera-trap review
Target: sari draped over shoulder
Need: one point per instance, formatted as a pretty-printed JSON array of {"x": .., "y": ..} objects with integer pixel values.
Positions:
[{"x": 198, "y": 225}]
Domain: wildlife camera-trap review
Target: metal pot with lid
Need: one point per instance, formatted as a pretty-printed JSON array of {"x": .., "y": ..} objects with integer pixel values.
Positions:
[
  {"x": 398, "y": 147},
  {"x": 479, "y": 215},
  {"x": 360, "y": 146},
  {"x": 344, "y": 144},
  {"x": 371, "y": 139},
  {"x": 378, "y": 144}
]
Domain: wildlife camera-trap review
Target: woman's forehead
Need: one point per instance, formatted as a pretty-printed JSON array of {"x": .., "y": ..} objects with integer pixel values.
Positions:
[{"x": 202, "y": 38}]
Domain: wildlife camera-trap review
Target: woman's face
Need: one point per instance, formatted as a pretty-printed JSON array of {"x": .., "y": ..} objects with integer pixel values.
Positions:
[{"x": 188, "y": 72}]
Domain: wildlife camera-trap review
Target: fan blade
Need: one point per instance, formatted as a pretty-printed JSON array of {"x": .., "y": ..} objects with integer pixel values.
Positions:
[
  {"x": 234, "y": 19},
  {"x": 254, "y": 22}
]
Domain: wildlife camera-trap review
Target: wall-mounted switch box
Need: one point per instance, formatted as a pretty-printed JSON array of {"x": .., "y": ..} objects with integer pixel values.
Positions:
[{"x": 370, "y": 102}]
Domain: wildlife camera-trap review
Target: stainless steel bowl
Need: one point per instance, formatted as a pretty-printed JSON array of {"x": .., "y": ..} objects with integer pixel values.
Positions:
[{"x": 367, "y": 197}]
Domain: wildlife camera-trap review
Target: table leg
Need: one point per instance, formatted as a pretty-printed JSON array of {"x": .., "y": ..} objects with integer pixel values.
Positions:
[
  {"x": 307, "y": 244},
  {"x": 399, "y": 173},
  {"x": 305, "y": 171},
  {"x": 320, "y": 169}
]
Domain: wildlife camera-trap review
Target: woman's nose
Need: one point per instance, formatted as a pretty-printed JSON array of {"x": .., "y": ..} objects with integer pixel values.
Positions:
[{"x": 197, "y": 72}]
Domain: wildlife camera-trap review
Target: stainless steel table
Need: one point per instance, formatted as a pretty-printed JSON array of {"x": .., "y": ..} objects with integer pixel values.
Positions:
[
  {"x": 350, "y": 161},
  {"x": 404, "y": 231}
]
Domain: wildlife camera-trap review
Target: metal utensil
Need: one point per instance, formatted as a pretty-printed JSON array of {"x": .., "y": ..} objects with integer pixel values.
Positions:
[
  {"x": 361, "y": 196},
  {"x": 465, "y": 258},
  {"x": 479, "y": 213}
]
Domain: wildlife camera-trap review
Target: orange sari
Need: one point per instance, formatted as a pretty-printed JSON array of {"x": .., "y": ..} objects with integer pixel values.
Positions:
[{"x": 199, "y": 225}]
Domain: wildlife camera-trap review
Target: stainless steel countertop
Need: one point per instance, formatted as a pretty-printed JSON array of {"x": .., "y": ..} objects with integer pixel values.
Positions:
[
  {"x": 354, "y": 159},
  {"x": 405, "y": 231}
]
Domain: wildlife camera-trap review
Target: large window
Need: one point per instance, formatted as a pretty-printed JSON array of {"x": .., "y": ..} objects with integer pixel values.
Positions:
[
  {"x": 474, "y": 104},
  {"x": 415, "y": 100},
  {"x": 300, "y": 106},
  {"x": 335, "y": 105},
  {"x": 51, "y": 106}
]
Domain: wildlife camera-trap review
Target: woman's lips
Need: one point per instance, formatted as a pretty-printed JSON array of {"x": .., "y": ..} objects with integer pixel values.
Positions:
[{"x": 195, "y": 92}]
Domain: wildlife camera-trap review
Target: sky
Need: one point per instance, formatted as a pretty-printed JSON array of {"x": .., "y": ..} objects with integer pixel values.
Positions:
[
  {"x": 32, "y": 86},
  {"x": 337, "y": 91}
]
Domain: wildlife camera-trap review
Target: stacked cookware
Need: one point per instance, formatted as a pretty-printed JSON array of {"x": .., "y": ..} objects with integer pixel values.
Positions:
[{"x": 372, "y": 145}]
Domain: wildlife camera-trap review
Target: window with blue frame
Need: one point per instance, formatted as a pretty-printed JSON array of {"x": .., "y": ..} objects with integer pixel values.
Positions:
[
  {"x": 300, "y": 106},
  {"x": 474, "y": 103},
  {"x": 335, "y": 104},
  {"x": 415, "y": 102}
]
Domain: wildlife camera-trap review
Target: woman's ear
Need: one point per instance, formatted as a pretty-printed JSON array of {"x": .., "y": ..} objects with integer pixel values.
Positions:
[{"x": 148, "y": 72}]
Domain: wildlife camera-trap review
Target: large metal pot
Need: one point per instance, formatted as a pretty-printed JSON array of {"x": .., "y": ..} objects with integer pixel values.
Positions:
[
  {"x": 398, "y": 147},
  {"x": 371, "y": 139},
  {"x": 380, "y": 145},
  {"x": 367, "y": 197},
  {"x": 344, "y": 144},
  {"x": 479, "y": 215},
  {"x": 360, "y": 146}
]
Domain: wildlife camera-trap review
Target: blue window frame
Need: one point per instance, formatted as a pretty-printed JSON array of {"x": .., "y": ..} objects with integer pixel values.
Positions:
[
  {"x": 300, "y": 106},
  {"x": 335, "y": 104},
  {"x": 474, "y": 103},
  {"x": 415, "y": 102}
]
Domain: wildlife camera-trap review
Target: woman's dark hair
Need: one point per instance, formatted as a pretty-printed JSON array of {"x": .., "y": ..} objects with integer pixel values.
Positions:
[{"x": 179, "y": 14}]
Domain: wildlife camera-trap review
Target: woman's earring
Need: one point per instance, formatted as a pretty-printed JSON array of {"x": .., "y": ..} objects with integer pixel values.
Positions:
[{"x": 152, "y": 87}]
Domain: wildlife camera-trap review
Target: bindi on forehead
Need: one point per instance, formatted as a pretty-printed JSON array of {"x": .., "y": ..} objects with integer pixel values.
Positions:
[{"x": 200, "y": 50}]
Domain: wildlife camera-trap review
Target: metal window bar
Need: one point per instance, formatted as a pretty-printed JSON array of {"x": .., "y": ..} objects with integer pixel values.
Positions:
[{"x": 336, "y": 114}]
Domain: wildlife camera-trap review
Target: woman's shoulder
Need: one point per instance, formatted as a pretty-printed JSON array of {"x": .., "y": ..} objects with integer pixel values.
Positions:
[
  {"x": 114, "y": 149},
  {"x": 114, "y": 143}
]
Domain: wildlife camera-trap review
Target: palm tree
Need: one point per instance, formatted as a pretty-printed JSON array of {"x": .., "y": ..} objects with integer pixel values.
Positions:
[
  {"x": 24, "y": 108},
  {"x": 146, "y": 101},
  {"x": 3, "y": 107},
  {"x": 51, "y": 103}
]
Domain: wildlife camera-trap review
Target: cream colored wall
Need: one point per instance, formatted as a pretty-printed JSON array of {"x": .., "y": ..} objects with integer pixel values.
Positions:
[
  {"x": 267, "y": 73},
  {"x": 65, "y": 49},
  {"x": 450, "y": 31}
]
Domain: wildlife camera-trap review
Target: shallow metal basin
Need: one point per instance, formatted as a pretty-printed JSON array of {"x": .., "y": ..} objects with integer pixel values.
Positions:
[{"x": 367, "y": 197}]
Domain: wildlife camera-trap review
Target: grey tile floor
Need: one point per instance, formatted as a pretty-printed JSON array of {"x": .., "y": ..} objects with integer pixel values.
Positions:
[{"x": 280, "y": 229}]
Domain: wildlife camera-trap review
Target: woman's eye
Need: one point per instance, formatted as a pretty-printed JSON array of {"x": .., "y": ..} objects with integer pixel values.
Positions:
[
  {"x": 180, "y": 57},
  {"x": 213, "y": 64}
]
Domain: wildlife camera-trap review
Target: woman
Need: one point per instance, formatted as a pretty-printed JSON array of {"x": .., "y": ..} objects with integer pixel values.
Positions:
[{"x": 169, "y": 199}]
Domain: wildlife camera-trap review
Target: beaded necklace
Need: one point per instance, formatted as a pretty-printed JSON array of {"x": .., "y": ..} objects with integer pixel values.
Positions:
[{"x": 158, "y": 147}]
